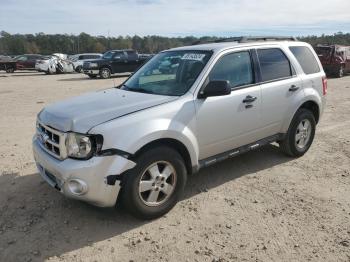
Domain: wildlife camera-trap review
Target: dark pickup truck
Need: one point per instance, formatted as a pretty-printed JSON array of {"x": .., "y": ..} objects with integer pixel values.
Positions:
[
  {"x": 114, "y": 61},
  {"x": 7, "y": 64},
  {"x": 335, "y": 59}
]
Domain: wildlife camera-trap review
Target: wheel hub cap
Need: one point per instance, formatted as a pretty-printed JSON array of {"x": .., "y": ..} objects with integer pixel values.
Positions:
[
  {"x": 157, "y": 183},
  {"x": 303, "y": 133}
]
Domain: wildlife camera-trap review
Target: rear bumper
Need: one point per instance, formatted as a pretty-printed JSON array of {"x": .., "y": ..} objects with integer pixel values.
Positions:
[{"x": 89, "y": 174}]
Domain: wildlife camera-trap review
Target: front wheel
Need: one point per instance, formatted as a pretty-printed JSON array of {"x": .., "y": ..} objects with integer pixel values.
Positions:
[
  {"x": 105, "y": 73},
  {"x": 155, "y": 185},
  {"x": 300, "y": 134},
  {"x": 10, "y": 70},
  {"x": 79, "y": 69}
]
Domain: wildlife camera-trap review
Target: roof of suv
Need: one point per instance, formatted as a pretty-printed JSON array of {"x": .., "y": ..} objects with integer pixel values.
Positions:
[{"x": 217, "y": 47}]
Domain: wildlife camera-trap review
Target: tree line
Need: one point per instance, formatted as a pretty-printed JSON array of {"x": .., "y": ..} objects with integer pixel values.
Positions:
[{"x": 40, "y": 43}]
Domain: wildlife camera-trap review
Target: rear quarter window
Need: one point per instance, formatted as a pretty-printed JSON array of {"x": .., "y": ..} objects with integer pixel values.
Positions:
[
  {"x": 274, "y": 64},
  {"x": 306, "y": 59}
]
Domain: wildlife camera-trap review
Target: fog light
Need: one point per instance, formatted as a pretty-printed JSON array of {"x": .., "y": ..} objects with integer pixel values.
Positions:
[{"x": 77, "y": 186}]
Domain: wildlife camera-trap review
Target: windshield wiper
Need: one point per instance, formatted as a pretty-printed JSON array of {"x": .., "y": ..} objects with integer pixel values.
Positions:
[{"x": 139, "y": 90}]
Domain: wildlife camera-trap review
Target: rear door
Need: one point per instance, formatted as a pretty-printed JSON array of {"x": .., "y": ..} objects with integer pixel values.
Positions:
[
  {"x": 280, "y": 88},
  {"x": 133, "y": 60}
]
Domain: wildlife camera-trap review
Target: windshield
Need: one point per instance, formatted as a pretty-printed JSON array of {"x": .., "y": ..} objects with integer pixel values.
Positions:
[
  {"x": 108, "y": 55},
  {"x": 170, "y": 73}
]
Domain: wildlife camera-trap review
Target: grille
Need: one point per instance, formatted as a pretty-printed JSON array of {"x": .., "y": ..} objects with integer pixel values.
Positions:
[{"x": 52, "y": 141}]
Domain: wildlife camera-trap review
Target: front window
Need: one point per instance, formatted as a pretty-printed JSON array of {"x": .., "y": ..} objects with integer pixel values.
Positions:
[
  {"x": 170, "y": 73},
  {"x": 236, "y": 68}
]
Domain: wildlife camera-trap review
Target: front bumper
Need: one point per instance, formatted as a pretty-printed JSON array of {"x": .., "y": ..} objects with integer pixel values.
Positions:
[
  {"x": 92, "y": 173},
  {"x": 91, "y": 71}
]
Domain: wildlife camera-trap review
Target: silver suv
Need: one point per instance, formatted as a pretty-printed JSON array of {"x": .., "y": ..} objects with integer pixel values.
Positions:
[{"x": 185, "y": 109}]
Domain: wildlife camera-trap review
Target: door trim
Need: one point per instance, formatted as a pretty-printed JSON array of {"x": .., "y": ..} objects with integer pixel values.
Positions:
[{"x": 240, "y": 150}]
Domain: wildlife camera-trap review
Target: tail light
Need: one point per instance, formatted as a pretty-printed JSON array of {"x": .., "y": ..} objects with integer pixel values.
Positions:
[{"x": 324, "y": 85}]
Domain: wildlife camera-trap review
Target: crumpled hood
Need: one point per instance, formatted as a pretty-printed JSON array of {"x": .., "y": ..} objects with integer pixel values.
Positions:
[{"x": 80, "y": 114}]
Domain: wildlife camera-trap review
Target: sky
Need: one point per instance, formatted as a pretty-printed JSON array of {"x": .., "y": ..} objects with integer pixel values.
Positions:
[{"x": 176, "y": 17}]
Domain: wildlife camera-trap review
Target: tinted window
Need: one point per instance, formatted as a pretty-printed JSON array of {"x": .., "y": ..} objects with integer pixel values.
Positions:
[
  {"x": 306, "y": 59},
  {"x": 235, "y": 67},
  {"x": 273, "y": 64}
]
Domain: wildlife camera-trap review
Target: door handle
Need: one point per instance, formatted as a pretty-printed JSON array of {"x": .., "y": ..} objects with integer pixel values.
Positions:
[
  {"x": 249, "y": 99},
  {"x": 293, "y": 88}
]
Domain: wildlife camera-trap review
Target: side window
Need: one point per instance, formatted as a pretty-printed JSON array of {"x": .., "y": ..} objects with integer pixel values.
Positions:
[
  {"x": 119, "y": 55},
  {"x": 273, "y": 64},
  {"x": 234, "y": 67},
  {"x": 306, "y": 59},
  {"x": 22, "y": 58},
  {"x": 81, "y": 57}
]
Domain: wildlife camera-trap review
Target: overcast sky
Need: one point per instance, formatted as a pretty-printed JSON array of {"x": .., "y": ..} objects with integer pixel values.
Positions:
[{"x": 176, "y": 17}]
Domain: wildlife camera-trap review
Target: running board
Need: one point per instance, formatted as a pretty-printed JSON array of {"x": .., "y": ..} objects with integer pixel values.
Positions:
[{"x": 240, "y": 150}]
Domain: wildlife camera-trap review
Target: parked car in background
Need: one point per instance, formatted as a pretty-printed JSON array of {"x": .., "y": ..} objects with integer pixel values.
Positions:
[
  {"x": 114, "y": 61},
  {"x": 335, "y": 59},
  {"x": 79, "y": 59},
  {"x": 54, "y": 65},
  {"x": 7, "y": 64},
  {"x": 26, "y": 62},
  {"x": 142, "y": 139}
]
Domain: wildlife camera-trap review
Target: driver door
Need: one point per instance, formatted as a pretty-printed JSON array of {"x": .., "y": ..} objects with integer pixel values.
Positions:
[
  {"x": 227, "y": 122},
  {"x": 119, "y": 62}
]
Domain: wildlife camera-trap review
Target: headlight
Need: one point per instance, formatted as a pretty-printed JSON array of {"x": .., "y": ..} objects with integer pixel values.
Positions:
[
  {"x": 82, "y": 146},
  {"x": 93, "y": 65}
]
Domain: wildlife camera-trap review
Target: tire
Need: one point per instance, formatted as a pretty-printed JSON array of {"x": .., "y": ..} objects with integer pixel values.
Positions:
[
  {"x": 152, "y": 202},
  {"x": 105, "y": 73},
  {"x": 300, "y": 134},
  {"x": 10, "y": 70},
  {"x": 340, "y": 72},
  {"x": 92, "y": 76},
  {"x": 79, "y": 69}
]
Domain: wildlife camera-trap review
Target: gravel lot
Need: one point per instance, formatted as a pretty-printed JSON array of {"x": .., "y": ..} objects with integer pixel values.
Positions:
[{"x": 261, "y": 206}]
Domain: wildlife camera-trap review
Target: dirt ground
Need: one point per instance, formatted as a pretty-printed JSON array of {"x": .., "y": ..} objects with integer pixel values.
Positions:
[{"x": 261, "y": 206}]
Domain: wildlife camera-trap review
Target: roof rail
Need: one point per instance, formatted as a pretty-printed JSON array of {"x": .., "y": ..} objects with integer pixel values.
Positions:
[{"x": 245, "y": 39}]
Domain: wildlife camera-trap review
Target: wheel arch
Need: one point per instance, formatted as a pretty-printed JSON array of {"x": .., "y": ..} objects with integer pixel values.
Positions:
[
  {"x": 172, "y": 143},
  {"x": 313, "y": 107},
  {"x": 310, "y": 104}
]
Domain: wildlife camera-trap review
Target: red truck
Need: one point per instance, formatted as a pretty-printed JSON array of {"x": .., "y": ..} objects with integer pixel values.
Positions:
[{"x": 335, "y": 59}]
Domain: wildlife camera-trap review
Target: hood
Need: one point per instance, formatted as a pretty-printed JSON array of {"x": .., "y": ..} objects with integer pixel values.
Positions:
[{"x": 80, "y": 114}]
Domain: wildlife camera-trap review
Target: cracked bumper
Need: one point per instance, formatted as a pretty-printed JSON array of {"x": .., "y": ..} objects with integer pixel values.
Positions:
[{"x": 93, "y": 172}]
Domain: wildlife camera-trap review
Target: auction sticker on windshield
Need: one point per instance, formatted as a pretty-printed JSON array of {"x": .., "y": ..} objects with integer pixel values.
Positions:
[{"x": 193, "y": 56}]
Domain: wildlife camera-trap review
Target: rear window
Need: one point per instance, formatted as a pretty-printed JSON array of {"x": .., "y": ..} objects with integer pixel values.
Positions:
[
  {"x": 306, "y": 59},
  {"x": 273, "y": 64}
]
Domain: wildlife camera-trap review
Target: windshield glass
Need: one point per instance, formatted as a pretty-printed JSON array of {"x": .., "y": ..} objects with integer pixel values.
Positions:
[
  {"x": 170, "y": 73},
  {"x": 108, "y": 55}
]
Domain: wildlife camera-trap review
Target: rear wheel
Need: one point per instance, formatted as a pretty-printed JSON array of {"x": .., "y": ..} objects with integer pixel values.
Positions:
[
  {"x": 105, "y": 73},
  {"x": 340, "y": 72},
  {"x": 300, "y": 134},
  {"x": 155, "y": 185}
]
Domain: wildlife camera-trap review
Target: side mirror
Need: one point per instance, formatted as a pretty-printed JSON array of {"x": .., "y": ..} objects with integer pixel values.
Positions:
[{"x": 215, "y": 88}]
